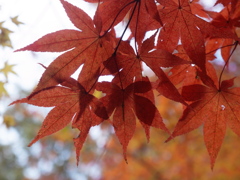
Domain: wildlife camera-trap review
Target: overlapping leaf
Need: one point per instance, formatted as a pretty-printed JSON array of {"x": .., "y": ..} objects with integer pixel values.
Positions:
[
  {"x": 71, "y": 104},
  {"x": 125, "y": 104},
  {"x": 130, "y": 64},
  {"x": 142, "y": 14},
  {"x": 181, "y": 24},
  {"x": 228, "y": 19}
]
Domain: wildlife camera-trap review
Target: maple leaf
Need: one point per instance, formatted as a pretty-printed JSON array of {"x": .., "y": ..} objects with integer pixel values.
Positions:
[
  {"x": 3, "y": 91},
  {"x": 161, "y": 58},
  {"x": 124, "y": 104},
  {"x": 16, "y": 21},
  {"x": 215, "y": 108},
  {"x": 111, "y": 14},
  {"x": 226, "y": 2},
  {"x": 7, "y": 69},
  {"x": 5, "y": 36},
  {"x": 227, "y": 19},
  {"x": 85, "y": 47},
  {"x": 181, "y": 24},
  {"x": 197, "y": 9},
  {"x": 187, "y": 74},
  {"x": 9, "y": 121},
  {"x": 142, "y": 16},
  {"x": 130, "y": 64},
  {"x": 71, "y": 104}
]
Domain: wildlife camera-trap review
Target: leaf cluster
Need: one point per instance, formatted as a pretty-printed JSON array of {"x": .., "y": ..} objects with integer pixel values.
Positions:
[{"x": 180, "y": 41}]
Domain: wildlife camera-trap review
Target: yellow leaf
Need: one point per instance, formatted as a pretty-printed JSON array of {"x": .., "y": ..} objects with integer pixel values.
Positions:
[
  {"x": 4, "y": 36},
  {"x": 16, "y": 21},
  {"x": 7, "y": 69},
  {"x": 9, "y": 121},
  {"x": 3, "y": 91}
]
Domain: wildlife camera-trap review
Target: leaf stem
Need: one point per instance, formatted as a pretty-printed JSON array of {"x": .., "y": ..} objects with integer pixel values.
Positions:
[
  {"x": 120, "y": 40},
  {"x": 220, "y": 48},
  {"x": 124, "y": 31},
  {"x": 136, "y": 28},
  {"x": 116, "y": 48},
  {"x": 116, "y": 17},
  {"x": 225, "y": 65}
]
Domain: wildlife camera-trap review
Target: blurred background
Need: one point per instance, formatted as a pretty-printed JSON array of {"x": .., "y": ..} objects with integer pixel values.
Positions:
[{"x": 53, "y": 157}]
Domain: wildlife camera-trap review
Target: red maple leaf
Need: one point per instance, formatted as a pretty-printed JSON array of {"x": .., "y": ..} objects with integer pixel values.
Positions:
[
  {"x": 197, "y": 9},
  {"x": 71, "y": 104},
  {"x": 142, "y": 16},
  {"x": 131, "y": 65},
  {"x": 216, "y": 108},
  {"x": 85, "y": 47},
  {"x": 181, "y": 24},
  {"x": 226, "y": 2},
  {"x": 124, "y": 105},
  {"x": 227, "y": 19}
]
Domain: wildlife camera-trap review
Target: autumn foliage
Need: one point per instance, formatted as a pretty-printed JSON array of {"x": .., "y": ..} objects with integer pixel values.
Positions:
[{"x": 175, "y": 39}]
